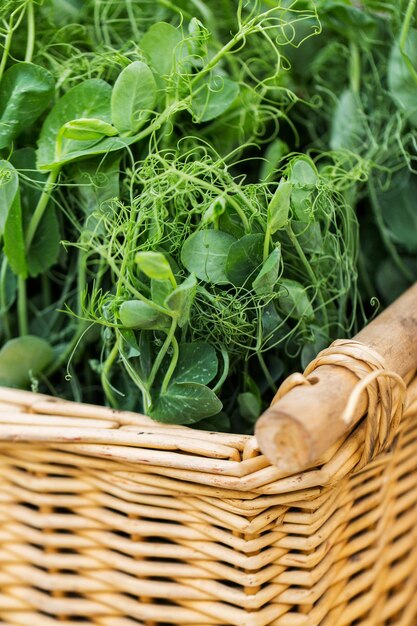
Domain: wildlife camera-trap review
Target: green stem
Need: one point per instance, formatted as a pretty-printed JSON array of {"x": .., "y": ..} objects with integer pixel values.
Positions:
[
  {"x": 309, "y": 271},
  {"x": 6, "y": 49},
  {"x": 81, "y": 282},
  {"x": 266, "y": 372},
  {"x": 218, "y": 56},
  {"x": 68, "y": 352},
  {"x": 172, "y": 7},
  {"x": 240, "y": 212},
  {"x": 132, "y": 20},
  {"x": 407, "y": 23},
  {"x": 172, "y": 365},
  {"x": 22, "y": 314},
  {"x": 129, "y": 287},
  {"x": 3, "y": 302},
  {"x": 146, "y": 398},
  {"x": 30, "y": 44},
  {"x": 107, "y": 365},
  {"x": 226, "y": 364},
  {"x": 230, "y": 199},
  {"x": 267, "y": 243},
  {"x": 390, "y": 247},
  {"x": 162, "y": 353},
  {"x": 403, "y": 38},
  {"x": 355, "y": 68},
  {"x": 40, "y": 207}
]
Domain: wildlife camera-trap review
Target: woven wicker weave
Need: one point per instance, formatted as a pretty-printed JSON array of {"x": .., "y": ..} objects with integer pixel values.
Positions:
[{"x": 109, "y": 518}]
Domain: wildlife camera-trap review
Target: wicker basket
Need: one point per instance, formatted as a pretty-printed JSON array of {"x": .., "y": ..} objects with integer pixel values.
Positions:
[{"x": 108, "y": 518}]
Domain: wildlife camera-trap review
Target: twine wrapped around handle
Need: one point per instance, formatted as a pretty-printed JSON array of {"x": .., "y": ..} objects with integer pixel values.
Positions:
[
  {"x": 312, "y": 411},
  {"x": 386, "y": 392}
]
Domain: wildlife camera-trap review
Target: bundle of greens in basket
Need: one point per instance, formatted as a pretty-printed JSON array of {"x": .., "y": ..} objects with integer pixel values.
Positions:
[{"x": 179, "y": 200}]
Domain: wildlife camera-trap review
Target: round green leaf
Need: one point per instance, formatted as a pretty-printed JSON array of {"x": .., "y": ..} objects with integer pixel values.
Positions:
[
  {"x": 133, "y": 97},
  {"x": 180, "y": 300},
  {"x": 279, "y": 207},
  {"x": 294, "y": 301},
  {"x": 9, "y": 188},
  {"x": 22, "y": 358},
  {"x": 186, "y": 403},
  {"x": 212, "y": 96},
  {"x": 401, "y": 77},
  {"x": 90, "y": 99},
  {"x": 161, "y": 47},
  {"x": 267, "y": 278},
  {"x": 138, "y": 314},
  {"x": 204, "y": 254},
  {"x": 197, "y": 363},
  {"x": 25, "y": 92},
  {"x": 244, "y": 258},
  {"x": 154, "y": 265}
]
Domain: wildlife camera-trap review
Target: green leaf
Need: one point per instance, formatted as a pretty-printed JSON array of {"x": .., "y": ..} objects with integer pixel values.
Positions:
[
  {"x": 154, "y": 265},
  {"x": 14, "y": 238},
  {"x": 402, "y": 76},
  {"x": 197, "y": 363},
  {"x": 22, "y": 358},
  {"x": 186, "y": 403},
  {"x": 249, "y": 406},
  {"x": 279, "y": 207},
  {"x": 347, "y": 127},
  {"x": 160, "y": 290},
  {"x": 214, "y": 211},
  {"x": 204, "y": 254},
  {"x": 197, "y": 41},
  {"x": 355, "y": 23},
  {"x": 133, "y": 97},
  {"x": 44, "y": 249},
  {"x": 390, "y": 280},
  {"x": 64, "y": 12},
  {"x": 31, "y": 181},
  {"x": 8, "y": 287},
  {"x": 244, "y": 258},
  {"x": 9, "y": 189},
  {"x": 230, "y": 222},
  {"x": 274, "y": 329},
  {"x": 131, "y": 347},
  {"x": 87, "y": 128},
  {"x": 161, "y": 45},
  {"x": 398, "y": 207},
  {"x": 274, "y": 153},
  {"x": 98, "y": 181},
  {"x": 90, "y": 99},
  {"x": 294, "y": 300},
  {"x": 140, "y": 315},
  {"x": 25, "y": 92},
  {"x": 303, "y": 176},
  {"x": 181, "y": 299},
  {"x": 303, "y": 172},
  {"x": 146, "y": 358},
  {"x": 319, "y": 341},
  {"x": 267, "y": 278},
  {"x": 212, "y": 95},
  {"x": 309, "y": 236},
  {"x": 275, "y": 369}
]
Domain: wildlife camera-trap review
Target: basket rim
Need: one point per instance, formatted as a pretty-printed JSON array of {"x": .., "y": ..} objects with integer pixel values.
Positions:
[{"x": 179, "y": 457}]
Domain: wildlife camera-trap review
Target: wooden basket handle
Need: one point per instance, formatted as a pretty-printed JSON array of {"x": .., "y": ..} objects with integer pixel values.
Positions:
[{"x": 307, "y": 415}]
